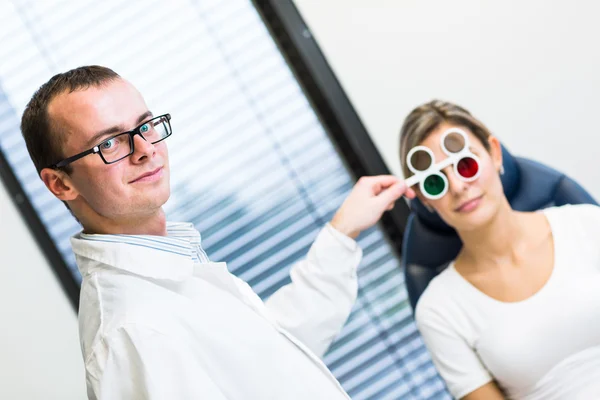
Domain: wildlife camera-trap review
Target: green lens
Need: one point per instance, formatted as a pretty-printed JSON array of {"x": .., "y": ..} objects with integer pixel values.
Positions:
[{"x": 434, "y": 185}]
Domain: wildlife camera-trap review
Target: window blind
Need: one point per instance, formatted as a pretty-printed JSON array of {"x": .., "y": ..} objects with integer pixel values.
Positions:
[{"x": 251, "y": 165}]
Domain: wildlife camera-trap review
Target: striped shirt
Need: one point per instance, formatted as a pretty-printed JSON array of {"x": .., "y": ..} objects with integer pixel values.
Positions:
[{"x": 182, "y": 238}]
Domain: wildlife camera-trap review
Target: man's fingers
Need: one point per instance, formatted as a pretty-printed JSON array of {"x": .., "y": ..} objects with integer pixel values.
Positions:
[
  {"x": 391, "y": 194},
  {"x": 410, "y": 193},
  {"x": 389, "y": 187},
  {"x": 380, "y": 181}
]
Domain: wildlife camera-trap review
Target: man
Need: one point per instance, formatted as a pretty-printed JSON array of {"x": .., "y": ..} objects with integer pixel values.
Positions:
[{"x": 158, "y": 320}]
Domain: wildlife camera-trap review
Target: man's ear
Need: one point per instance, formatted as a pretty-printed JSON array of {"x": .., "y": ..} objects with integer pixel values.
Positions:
[
  {"x": 495, "y": 151},
  {"x": 59, "y": 183}
]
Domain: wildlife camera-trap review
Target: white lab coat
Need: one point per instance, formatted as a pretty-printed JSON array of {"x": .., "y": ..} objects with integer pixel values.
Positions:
[{"x": 156, "y": 325}]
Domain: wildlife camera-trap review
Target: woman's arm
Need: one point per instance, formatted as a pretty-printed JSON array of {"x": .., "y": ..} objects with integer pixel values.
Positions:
[
  {"x": 489, "y": 391},
  {"x": 451, "y": 346}
]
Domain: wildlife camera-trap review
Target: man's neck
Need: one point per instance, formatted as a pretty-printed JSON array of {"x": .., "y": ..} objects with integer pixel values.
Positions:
[{"x": 152, "y": 224}]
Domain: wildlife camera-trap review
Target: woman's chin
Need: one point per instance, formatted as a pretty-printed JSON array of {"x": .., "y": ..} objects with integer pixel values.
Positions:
[{"x": 474, "y": 217}]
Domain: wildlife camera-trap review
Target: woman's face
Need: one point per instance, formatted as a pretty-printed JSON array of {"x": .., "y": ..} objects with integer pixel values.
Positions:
[{"x": 468, "y": 205}]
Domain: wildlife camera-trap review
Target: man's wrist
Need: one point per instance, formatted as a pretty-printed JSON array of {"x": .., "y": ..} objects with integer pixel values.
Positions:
[{"x": 339, "y": 225}]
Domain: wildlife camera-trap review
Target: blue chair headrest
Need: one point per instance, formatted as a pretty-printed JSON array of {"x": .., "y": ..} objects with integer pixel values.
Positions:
[{"x": 429, "y": 244}]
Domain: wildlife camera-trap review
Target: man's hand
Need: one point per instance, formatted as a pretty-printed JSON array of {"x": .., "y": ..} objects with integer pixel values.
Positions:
[{"x": 366, "y": 203}]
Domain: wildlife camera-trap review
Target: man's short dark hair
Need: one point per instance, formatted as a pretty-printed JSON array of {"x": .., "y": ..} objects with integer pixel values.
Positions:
[{"x": 42, "y": 136}]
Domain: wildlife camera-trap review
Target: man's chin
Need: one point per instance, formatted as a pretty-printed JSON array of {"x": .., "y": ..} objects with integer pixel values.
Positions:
[
  {"x": 155, "y": 197},
  {"x": 163, "y": 197}
]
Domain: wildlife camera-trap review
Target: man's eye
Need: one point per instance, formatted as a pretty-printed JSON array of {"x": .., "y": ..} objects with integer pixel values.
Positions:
[
  {"x": 145, "y": 128},
  {"x": 109, "y": 144}
]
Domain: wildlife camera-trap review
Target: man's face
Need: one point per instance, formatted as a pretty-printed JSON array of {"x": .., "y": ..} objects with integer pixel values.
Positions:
[{"x": 113, "y": 191}]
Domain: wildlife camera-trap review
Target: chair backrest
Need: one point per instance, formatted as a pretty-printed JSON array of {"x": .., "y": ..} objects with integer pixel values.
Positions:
[{"x": 429, "y": 244}]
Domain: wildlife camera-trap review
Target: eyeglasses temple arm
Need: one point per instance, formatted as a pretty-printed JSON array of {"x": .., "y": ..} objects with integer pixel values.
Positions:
[{"x": 75, "y": 157}]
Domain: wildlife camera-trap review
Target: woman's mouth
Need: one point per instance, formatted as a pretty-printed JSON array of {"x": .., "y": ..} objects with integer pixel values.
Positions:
[{"x": 469, "y": 205}]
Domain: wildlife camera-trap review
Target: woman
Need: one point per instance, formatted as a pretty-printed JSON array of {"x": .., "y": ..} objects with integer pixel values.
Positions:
[{"x": 517, "y": 313}]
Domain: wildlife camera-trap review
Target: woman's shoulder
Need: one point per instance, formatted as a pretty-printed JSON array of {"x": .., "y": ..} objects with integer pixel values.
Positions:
[
  {"x": 438, "y": 295},
  {"x": 574, "y": 210},
  {"x": 579, "y": 215}
]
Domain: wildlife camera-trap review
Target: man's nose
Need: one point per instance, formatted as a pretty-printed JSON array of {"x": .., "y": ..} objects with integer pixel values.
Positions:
[{"x": 142, "y": 148}]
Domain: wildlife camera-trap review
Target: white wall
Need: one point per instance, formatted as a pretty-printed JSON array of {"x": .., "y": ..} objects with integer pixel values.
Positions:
[
  {"x": 39, "y": 346},
  {"x": 527, "y": 69}
]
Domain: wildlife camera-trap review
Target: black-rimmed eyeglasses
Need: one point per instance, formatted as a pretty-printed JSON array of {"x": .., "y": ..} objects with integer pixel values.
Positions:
[{"x": 120, "y": 146}]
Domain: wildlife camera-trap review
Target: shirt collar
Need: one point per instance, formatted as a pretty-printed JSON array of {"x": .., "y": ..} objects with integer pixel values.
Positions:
[{"x": 168, "y": 257}]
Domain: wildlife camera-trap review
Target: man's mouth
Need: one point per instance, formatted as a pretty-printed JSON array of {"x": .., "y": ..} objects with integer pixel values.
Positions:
[{"x": 149, "y": 176}]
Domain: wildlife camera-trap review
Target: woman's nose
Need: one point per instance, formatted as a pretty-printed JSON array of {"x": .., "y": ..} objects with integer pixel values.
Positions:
[{"x": 456, "y": 185}]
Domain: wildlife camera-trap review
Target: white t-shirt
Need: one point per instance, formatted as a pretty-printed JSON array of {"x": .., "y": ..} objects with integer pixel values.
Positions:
[{"x": 545, "y": 347}]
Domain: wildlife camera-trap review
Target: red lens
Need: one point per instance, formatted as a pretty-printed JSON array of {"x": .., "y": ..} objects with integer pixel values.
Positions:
[{"x": 467, "y": 167}]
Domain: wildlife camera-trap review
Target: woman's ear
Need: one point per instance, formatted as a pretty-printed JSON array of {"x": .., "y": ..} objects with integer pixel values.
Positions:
[
  {"x": 496, "y": 152},
  {"x": 59, "y": 183}
]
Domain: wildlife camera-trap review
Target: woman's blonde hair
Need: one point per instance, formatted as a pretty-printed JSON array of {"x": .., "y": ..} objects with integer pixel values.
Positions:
[{"x": 427, "y": 117}]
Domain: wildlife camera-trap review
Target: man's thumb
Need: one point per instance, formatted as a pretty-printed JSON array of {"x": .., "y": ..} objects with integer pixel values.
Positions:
[{"x": 392, "y": 193}]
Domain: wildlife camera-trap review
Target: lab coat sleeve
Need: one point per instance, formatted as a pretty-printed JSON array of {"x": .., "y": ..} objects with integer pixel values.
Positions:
[
  {"x": 136, "y": 362},
  {"x": 318, "y": 301}
]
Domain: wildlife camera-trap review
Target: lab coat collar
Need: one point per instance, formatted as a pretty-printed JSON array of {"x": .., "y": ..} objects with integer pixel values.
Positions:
[{"x": 138, "y": 260}]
